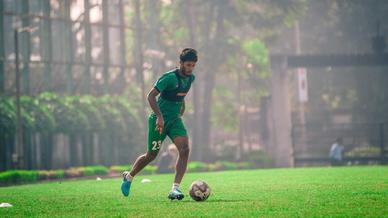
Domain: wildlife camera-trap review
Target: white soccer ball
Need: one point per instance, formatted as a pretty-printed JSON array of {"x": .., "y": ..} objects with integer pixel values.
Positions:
[{"x": 199, "y": 190}]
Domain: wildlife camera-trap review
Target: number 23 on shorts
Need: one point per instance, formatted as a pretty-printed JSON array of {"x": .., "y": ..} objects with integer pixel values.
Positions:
[{"x": 156, "y": 145}]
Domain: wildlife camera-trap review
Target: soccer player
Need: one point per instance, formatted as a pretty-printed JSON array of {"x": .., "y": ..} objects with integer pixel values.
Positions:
[{"x": 165, "y": 120}]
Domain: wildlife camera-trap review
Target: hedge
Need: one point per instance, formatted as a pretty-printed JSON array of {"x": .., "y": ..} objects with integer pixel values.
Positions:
[
  {"x": 18, "y": 176},
  {"x": 25, "y": 176}
]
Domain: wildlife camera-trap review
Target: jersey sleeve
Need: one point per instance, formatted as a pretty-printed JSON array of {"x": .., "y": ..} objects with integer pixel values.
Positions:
[{"x": 165, "y": 82}]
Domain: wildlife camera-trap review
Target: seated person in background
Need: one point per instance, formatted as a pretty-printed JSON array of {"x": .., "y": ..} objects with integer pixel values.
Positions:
[
  {"x": 167, "y": 160},
  {"x": 336, "y": 152}
]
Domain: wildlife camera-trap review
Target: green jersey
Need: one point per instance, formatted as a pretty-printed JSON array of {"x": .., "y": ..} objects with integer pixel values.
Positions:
[{"x": 173, "y": 88}]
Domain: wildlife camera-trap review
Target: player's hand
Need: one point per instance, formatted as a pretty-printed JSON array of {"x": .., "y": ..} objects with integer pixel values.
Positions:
[{"x": 159, "y": 124}]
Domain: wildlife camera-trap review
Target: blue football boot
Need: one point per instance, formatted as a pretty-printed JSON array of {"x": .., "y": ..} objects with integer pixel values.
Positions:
[
  {"x": 176, "y": 194},
  {"x": 126, "y": 184}
]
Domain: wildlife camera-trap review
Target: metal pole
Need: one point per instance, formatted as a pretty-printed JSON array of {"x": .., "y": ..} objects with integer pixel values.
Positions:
[{"x": 17, "y": 157}]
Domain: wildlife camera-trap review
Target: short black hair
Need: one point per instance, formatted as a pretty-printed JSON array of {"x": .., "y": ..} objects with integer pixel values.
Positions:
[{"x": 188, "y": 54}]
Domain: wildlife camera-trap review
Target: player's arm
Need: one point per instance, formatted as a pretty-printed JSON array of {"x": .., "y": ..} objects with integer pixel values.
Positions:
[
  {"x": 183, "y": 108},
  {"x": 155, "y": 108}
]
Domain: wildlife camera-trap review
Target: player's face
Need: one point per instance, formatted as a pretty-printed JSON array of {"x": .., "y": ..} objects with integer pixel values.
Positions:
[{"x": 187, "y": 67}]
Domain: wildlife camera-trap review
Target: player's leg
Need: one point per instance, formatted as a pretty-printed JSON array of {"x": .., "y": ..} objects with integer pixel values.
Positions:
[
  {"x": 180, "y": 168},
  {"x": 182, "y": 144},
  {"x": 155, "y": 140},
  {"x": 179, "y": 137}
]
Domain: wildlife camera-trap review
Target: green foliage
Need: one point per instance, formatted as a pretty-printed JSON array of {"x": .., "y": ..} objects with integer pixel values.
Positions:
[
  {"x": 99, "y": 170},
  {"x": 68, "y": 114},
  {"x": 364, "y": 151},
  {"x": 7, "y": 115},
  {"x": 69, "y": 118},
  {"x": 127, "y": 115},
  {"x": 72, "y": 173},
  {"x": 224, "y": 110},
  {"x": 18, "y": 176},
  {"x": 51, "y": 174},
  {"x": 119, "y": 168},
  {"x": 259, "y": 158},
  {"x": 181, "y": 33},
  {"x": 246, "y": 165},
  {"x": 197, "y": 166},
  {"x": 226, "y": 165},
  {"x": 60, "y": 174},
  {"x": 85, "y": 104},
  {"x": 111, "y": 115},
  {"x": 39, "y": 114},
  {"x": 86, "y": 171},
  {"x": 257, "y": 54},
  {"x": 25, "y": 176},
  {"x": 149, "y": 169}
]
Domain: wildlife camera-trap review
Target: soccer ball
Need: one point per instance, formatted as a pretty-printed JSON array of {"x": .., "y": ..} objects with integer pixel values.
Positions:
[{"x": 199, "y": 190}]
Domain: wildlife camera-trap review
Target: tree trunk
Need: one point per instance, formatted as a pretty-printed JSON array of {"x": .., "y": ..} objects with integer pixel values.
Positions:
[
  {"x": 240, "y": 120},
  {"x": 69, "y": 48},
  {"x": 2, "y": 49},
  {"x": 73, "y": 149},
  {"x": 105, "y": 22},
  {"x": 191, "y": 24},
  {"x": 47, "y": 150},
  {"x": 3, "y": 149},
  {"x": 138, "y": 54},
  {"x": 123, "y": 47},
  {"x": 213, "y": 63},
  {"x": 47, "y": 46},
  {"x": 154, "y": 39},
  {"x": 25, "y": 37},
  {"x": 88, "y": 49},
  {"x": 27, "y": 149}
]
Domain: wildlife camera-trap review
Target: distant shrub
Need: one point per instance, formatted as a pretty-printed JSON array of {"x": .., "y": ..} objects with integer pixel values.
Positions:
[
  {"x": 73, "y": 173},
  {"x": 258, "y": 158},
  {"x": 214, "y": 166},
  {"x": 245, "y": 165},
  {"x": 18, "y": 176},
  {"x": 51, "y": 174},
  {"x": 365, "y": 151},
  {"x": 226, "y": 165},
  {"x": 60, "y": 174},
  {"x": 119, "y": 168},
  {"x": 86, "y": 171},
  {"x": 150, "y": 169},
  {"x": 43, "y": 174},
  {"x": 99, "y": 170},
  {"x": 197, "y": 166}
]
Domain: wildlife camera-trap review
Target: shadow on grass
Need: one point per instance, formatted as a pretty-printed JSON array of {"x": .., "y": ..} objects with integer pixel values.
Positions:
[{"x": 216, "y": 201}]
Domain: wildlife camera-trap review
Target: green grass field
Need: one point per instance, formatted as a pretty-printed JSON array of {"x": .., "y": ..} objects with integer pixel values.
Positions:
[{"x": 300, "y": 192}]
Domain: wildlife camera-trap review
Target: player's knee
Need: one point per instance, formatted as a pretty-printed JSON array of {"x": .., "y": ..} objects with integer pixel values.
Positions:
[
  {"x": 184, "y": 151},
  {"x": 151, "y": 155}
]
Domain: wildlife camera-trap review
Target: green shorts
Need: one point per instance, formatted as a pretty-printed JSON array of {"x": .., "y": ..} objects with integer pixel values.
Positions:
[{"x": 172, "y": 129}]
